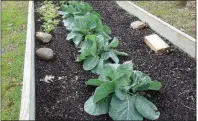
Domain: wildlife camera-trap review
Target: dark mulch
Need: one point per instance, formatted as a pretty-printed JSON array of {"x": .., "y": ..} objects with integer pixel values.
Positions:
[{"x": 64, "y": 99}]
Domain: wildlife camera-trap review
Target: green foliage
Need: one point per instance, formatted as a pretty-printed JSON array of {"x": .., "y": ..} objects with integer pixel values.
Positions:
[
  {"x": 75, "y": 8},
  {"x": 62, "y": 2},
  {"x": 96, "y": 51},
  {"x": 49, "y": 13},
  {"x": 118, "y": 85},
  {"x": 81, "y": 26},
  {"x": 96, "y": 109},
  {"x": 124, "y": 109},
  {"x": 122, "y": 84}
]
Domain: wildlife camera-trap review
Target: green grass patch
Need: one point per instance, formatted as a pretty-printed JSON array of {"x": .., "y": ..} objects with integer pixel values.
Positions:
[
  {"x": 14, "y": 21},
  {"x": 183, "y": 18}
]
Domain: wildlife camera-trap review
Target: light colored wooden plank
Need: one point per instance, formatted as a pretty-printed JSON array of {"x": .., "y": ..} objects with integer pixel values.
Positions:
[
  {"x": 156, "y": 43},
  {"x": 27, "y": 110}
]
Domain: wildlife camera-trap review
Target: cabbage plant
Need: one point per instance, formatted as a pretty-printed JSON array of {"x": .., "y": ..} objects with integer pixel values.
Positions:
[{"x": 117, "y": 94}]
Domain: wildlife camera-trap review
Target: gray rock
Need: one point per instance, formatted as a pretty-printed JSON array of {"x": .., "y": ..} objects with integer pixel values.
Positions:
[
  {"x": 43, "y": 37},
  {"x": 45, "y": 53},
  {"x": 138, "y": 25}
]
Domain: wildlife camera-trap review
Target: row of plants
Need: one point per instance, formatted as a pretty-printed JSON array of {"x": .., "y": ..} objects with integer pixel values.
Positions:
[
  {"x": 49, "y": 14},
  {"x": 118, "y": 87}
]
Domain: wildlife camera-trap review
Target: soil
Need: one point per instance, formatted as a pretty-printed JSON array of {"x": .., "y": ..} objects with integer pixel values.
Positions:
[{"x": 64, "y": 99}]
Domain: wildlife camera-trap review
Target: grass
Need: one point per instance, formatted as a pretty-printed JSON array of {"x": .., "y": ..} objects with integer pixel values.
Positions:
[
  {"x": 183, "y": 18},
  {"x": 13, "y": 27}
]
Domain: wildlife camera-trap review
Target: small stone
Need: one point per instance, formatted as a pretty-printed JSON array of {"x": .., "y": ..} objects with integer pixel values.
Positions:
[
  {"x": 43, "y": 37},
  {"x": 156, "y": 43},
  {"x": 45, "y": 53},
  {"x": 138, "y": 25}
]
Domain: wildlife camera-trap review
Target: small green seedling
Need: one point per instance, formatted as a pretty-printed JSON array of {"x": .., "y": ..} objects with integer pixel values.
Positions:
[{"x": 49, "y": 13}]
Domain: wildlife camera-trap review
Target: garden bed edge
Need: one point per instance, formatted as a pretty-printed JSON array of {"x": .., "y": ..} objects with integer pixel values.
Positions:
[
  {"x": 174, "y": 35},
  {"x": 27, "y": 109}
]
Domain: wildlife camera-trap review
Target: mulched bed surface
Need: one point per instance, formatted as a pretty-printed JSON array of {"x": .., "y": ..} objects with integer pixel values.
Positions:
[{"x": 64, "y": 99}]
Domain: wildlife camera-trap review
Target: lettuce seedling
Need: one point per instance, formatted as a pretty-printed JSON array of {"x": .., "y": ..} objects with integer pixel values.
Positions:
[
  {"x": 117, "y": 93},
  {"x": 49, "y": 13}
]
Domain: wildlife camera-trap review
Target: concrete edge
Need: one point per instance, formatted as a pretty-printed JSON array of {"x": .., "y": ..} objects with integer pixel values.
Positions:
[
  {"x": 177, "y": 37},
  {"x": 27, "y": 110}
]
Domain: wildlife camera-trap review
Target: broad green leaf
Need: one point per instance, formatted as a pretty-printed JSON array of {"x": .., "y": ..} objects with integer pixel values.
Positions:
[
  {"x": 106, "y": 29},
  {"x": 97, "y": 14},
  {"x": 94, "y": 82},
  {"x": 83, "y": 7},
  {"x": 90, "y": 62},
  {"x": 154, "y": 85},
  {"x": 124, "y": 69},
  {"x": 89, "y": 20},
  {"x": 80, "y": 25},
  {"x": 76, "y": 8},
  {"x": 139, "y": 79},
  {"x": 120, "y": 93},
  {"x": 75, "y": 36},
  {"x": 124, "y": 109},
  {"x": 110, "y": 54},
  {"x": 123, "y": 81},
  {"x": 103, "y": 78},
  {"x": 66, "y": 8},
  {"x": 105, "y": 55},
  {"x": 114, "y": 43},
  {"x": 114, "y": 57},
  {"x": 90, "y": 37},
  {"x": 99, "y": 27},
  {"x": 120, "y": 53},
  {"x": 85, "y": 50},
  {"x": 71, "y": 35},
  {"x": 109, "y": 70},
  {"x": 68, "y": 23},
  {"x": 146, "y": 108},
  {"x": 93, "y": 48},
  {"x": 99, "y": 108},
  {"x": 99, "y": 68},
  {"x": 105, "y": 35},
  {"x": 87, "y": 24},
  {"x": 92, "y": 25},
  {"x": 60, "y": 13},
  {"x": 102, "y": 43},
  {"x": 88, "y": 48},
  {"x": 77, "y": 39},
  {"x": 86, "y": 45},
  {"x": 103, "y": 91}
]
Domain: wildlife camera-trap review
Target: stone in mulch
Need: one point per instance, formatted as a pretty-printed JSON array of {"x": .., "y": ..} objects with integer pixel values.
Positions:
[
  {"x": 45, "y": 54},
  {"x": 138, "y": 25},
  {"x": 44, "y": 37}
]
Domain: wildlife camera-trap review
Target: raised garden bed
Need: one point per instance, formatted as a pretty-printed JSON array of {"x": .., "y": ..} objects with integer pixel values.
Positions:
[{"x": 64, "y": 98}]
